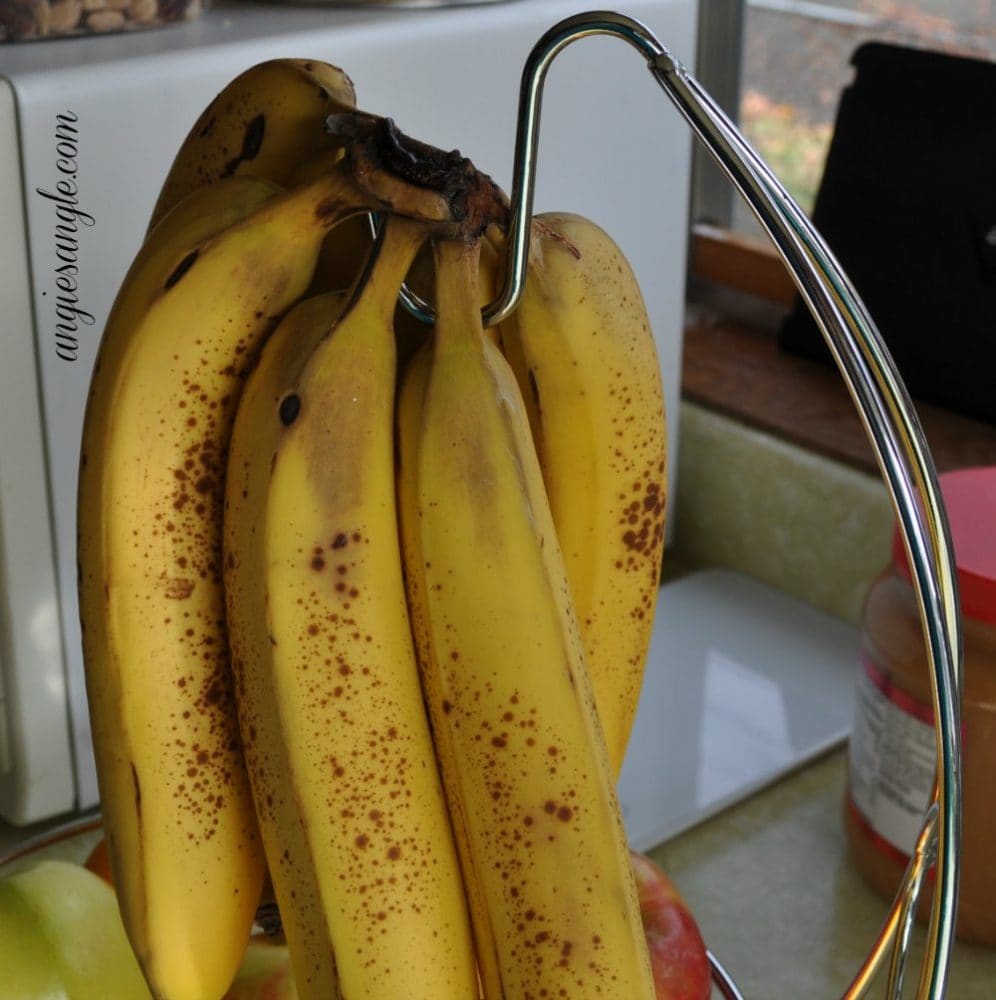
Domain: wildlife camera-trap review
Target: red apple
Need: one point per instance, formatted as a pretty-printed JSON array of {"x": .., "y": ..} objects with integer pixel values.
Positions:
[
  {"x": 265, "y": 974},
  {"x": 99, "y": 861},
  {"x": 677, "y": 952}
]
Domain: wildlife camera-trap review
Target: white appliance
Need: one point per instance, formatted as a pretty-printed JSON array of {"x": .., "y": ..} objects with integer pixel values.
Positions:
[{"x": 114, "y": 110}]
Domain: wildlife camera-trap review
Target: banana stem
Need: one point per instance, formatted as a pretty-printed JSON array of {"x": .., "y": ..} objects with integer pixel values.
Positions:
[
  {"x": 398, "y": 242},
  {"x": 416, "y": 179},
  {"x": 459, "y": 260}
]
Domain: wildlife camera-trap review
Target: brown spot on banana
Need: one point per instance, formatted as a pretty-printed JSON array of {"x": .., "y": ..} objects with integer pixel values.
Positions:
[
  {"x": 138, "y": 791},
  {"x": 290, "y": 407},
  {"x": 534, "y": 389},
  {"x": 252, "y": 142},
  {"x": 208, "y": 127},
  {"x": 178, "y": 588},
  {"x": 181, "y": 269}
]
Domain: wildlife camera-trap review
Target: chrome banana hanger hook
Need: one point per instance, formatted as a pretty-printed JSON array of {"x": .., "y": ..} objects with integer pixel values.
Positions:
[{"x": 890, "y": 423}]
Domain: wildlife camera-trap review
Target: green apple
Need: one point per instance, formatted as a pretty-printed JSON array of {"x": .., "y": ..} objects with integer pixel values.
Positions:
[{"x": 61, "y": 937}]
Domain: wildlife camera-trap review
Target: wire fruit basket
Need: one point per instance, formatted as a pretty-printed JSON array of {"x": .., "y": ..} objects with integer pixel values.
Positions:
[{"x": 890, "y": 422}]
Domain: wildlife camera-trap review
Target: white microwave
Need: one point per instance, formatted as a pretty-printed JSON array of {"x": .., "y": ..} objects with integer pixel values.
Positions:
[{"x": 611, "y": 147}]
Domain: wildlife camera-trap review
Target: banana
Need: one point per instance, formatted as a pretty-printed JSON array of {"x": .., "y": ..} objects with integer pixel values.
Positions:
[
  {"x": 523, "y": 759},
  {"x": 209, "y": 283},
  {"x": 253, "y": 435},
  {"x": 411, "y": 334},
  {"x": 337, "y": 741},
  {"x": 266, "y": 122},
  {"x": 583, "y": 353}
]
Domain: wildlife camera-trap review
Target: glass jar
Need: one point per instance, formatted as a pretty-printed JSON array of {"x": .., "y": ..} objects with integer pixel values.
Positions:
[
  {"x": 891, "y": 755},
  {"x": 390, "y": 3},
  {"x": 35, "y": 20}
]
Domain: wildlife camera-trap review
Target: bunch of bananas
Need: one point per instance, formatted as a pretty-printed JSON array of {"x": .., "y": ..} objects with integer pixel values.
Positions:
[{"x": 365, "y": 610}]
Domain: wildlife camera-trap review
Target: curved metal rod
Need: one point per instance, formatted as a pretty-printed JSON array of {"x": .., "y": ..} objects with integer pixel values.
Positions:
[
  {"x": 872, "y": 380},
  {"x": 901, "y": 915},
  {"x": 47, "y": 838},
  {"x": 722, "y": 980},
  {"x": 919, "y": 864},
  {"x": 901, "y": 451},
  {"x": 526, "y": 144},
  {"x": 527, "y": 136}
]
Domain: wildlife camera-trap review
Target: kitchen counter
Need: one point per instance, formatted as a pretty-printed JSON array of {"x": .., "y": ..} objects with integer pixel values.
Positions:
[{"x": 779, "y": 904}]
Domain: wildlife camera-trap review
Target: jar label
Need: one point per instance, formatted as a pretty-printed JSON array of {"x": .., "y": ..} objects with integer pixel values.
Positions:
[{"x": 891, "y": 760}]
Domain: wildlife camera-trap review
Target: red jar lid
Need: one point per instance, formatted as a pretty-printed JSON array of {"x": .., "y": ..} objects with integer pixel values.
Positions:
[{"x": 970, "y": 500}]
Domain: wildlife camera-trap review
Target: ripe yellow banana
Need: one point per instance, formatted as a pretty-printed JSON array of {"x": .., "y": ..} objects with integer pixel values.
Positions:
[
  {"x": 523, "y": 758},
  {"x": 583, "y": 353},
  {"x": 336, "y": 737},
  {"x": 209, "y": 283},
  {"x": 254, "y": 434},
  {"x": 266, "y": 122}
]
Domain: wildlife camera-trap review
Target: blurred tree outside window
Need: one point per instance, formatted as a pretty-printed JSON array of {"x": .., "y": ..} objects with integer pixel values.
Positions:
[{"x": 795, "y": 61}]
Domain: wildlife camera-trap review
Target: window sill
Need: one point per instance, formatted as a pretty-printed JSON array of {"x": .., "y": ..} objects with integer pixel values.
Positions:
[{"x": 733, "y": 365}]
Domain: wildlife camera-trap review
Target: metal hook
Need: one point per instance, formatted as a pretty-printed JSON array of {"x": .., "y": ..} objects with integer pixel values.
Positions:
[
  {"x": 526, "y": 144},
  {"x": 534, "y": 73}
]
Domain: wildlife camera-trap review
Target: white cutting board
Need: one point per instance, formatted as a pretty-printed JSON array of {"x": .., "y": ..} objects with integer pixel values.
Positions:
[{"x": 743, "y": 684}]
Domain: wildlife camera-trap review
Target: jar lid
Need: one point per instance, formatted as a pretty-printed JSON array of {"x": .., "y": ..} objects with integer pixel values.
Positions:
[{"x": 970, "y": 500}]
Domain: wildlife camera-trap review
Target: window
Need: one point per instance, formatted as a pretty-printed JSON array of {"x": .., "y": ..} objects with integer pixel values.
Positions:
[
  {"x": 778, "y": 68},
  {"x": 790, "y": 63}
]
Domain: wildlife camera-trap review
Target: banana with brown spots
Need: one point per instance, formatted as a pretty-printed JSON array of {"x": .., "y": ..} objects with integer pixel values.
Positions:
[
  {"x": 583, "y": 353},
  {"x": 209, "y": 284},
  {"x": 523, "y": 758},
  {"x": 336, "y": 736},
  {"x": 265, "y": 123}
]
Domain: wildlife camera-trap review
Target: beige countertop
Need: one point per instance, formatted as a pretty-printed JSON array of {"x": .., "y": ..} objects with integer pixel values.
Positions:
[{"x": 779, "y": 904}]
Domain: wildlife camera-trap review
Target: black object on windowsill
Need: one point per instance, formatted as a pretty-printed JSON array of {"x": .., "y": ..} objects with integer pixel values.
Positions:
[{"x": 907, "y": 203}]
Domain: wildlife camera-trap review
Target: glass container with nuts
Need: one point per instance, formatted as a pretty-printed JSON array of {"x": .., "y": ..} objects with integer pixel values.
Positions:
[{"x": 32, "y": 20}]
